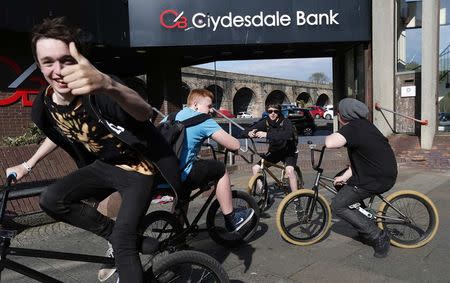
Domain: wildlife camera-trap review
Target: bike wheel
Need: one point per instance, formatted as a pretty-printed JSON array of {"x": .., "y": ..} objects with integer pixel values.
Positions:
[
  {"x": 160, "y": 225},
  {"x": 257, "y": 188},
  {"x": 294, "y": 223},
  {"x": 187, "y": 266},
  {"x": 419, "y": 225},
  {"x": 215, "y": 221}
]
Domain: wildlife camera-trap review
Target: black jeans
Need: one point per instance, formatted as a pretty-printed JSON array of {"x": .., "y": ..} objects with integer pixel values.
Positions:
[
  {"x": 62, "y": 201},
  {"x": 203, "y": 172},
  {"x": 349, "y": 195}
]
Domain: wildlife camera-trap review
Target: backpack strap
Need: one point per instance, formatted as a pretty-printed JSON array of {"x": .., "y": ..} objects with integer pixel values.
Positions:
[
  {"x": 172, "y": 116},
  {"x": 197, "y": 119}
]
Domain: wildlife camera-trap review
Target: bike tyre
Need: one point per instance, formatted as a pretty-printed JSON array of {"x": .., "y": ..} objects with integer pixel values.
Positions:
[
  {"x": 432, "y": 215},
  {"x": 215, "y": 222},
  {"x": 166, "y": 268},
  {"x": 260, "y": 196},
  {"x": 281, "y": 222}
]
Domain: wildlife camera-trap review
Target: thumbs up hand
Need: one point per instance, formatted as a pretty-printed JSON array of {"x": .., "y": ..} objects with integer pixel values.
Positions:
[{"x": 83, "y": 78}]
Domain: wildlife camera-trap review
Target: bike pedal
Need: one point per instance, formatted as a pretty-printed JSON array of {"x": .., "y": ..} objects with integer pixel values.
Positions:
[
  {"x": 7, "y": 234},
  {"x": 354, "y": 206}
]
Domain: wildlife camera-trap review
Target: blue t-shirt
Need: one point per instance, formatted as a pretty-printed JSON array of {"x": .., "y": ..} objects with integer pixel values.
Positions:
[{"x": 195, "y": 136}]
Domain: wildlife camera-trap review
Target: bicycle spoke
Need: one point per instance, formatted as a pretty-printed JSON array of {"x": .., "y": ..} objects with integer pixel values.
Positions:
[
  {"x": 298, "y": 223},
  {"x": 412, "y": 228}
]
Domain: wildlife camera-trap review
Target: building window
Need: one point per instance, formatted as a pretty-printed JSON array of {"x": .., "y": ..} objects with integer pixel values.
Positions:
[
  {"x": 444, "y": 67},
  {"x": 409, "y": 36}
]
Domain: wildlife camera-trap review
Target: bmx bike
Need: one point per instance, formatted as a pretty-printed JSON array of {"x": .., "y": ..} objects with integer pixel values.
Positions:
[
  {"x": 304, "y": 216},
  {"x": 181, "y": 266}
]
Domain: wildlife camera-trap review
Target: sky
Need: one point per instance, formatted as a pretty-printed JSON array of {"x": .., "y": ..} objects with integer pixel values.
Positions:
[
  {"x": 292, "y": 69},
  {"x": 301, "y": 69}
]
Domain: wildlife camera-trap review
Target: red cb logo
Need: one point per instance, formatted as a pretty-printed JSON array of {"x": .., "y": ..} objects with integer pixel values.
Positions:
[{"x": 172, "y": 19}]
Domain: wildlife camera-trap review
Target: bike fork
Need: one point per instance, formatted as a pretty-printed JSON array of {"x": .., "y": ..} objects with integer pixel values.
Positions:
[{"x": 311, "y": 205}]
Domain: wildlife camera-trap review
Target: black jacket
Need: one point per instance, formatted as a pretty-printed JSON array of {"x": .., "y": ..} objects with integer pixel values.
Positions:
[
  {"x": 140, "y": 136},
  {"x": 280, "y": 134}
]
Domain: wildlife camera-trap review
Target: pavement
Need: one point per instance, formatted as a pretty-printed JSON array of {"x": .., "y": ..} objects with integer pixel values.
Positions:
[{"x": 268, "y": 258}]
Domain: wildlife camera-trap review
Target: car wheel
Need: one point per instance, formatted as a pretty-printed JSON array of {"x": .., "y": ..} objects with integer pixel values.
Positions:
[
  {"x": 317, "y": 116},
  {"x": 328, "y": 117},
  {"x": 307, "y": 131}
]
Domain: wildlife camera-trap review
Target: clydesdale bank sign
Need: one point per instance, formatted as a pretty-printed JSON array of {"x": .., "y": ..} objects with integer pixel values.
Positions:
[{"x": 222, "y": 22}]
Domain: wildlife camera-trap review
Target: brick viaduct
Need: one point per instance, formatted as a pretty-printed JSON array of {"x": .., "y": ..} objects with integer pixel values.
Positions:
[{"x": 240, "y": 92}]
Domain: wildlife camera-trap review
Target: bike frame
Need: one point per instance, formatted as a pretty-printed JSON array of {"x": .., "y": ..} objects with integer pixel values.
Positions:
[
  {"x": 5, "y": 250},
  {"x": 265, "y": 165},
  {"x": 192, "y": 227},
  {"x": 320, "y": 181}
]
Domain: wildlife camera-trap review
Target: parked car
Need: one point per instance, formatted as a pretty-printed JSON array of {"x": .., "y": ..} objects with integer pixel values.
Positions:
[
  {"x": 225, "y": 112},
  {"x": 316, "y": 111},
  {"x": 444, "y": 119},
  {"x": 284, "y": 110},
  {"x": 329, "y": 113},
  {"x": 244, "y": 115},
  {"x": 301, "y": 118}
]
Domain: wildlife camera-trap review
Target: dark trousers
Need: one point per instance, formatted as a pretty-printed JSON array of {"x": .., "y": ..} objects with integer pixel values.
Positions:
[
  {"x": 349, "y": 195},
  {"x": 203, "y": 172},
  {"x": 62, "y": 201}
]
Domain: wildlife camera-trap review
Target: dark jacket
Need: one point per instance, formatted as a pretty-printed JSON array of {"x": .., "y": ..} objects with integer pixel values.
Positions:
[
  {"x": 140, "y": 136},
  {"x": 280, "y": 134}
]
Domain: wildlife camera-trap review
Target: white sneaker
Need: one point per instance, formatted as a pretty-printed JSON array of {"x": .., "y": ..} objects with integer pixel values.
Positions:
[
  {"x": 107, "y": 270},
  {"x": 259, "y": 187},
  {"x": 162, "y": 199}
]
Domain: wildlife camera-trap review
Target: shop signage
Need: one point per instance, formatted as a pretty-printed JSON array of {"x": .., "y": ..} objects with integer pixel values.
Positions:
[
  {"x": 203, "y": 22},
  {"x": 12, "y": 92}
]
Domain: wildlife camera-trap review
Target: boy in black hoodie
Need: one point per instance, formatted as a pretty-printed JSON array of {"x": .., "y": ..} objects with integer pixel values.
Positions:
[{"x": 280, "y": 133}]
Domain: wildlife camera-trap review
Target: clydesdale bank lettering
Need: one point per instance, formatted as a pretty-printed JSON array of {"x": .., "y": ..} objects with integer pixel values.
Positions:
[{"x": 174, "y": 19}]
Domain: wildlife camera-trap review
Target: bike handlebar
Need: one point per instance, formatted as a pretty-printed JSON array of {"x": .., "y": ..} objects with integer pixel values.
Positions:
[
  {"x": 253, "y": 151},
  {"x": 11, "y": 177},
  {"x": 313, "y": 149}
]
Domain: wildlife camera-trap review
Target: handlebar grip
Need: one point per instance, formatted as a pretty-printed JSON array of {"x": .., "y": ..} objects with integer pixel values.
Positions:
[{"x": 11, "y": 177}]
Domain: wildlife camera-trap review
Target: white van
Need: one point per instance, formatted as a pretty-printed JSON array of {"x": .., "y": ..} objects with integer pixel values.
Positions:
[{"x": 328, "y": 114}]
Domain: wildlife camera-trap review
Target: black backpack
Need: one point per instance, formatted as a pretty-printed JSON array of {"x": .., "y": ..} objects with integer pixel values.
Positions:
[{"x": 174, "y": 131}]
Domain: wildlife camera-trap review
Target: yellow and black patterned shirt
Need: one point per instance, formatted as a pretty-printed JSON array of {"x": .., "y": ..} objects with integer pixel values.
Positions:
[{"x": 75, "y": 124}]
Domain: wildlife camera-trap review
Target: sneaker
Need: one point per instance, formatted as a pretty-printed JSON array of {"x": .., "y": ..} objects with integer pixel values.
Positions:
[
  {"x": 159, "y": 199},
  {"x": 381, "y": 245},
  {"x": 240, "y": 218},
  {"x": 259, "y": 187},
  {"x": 107, "y": 270}
]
